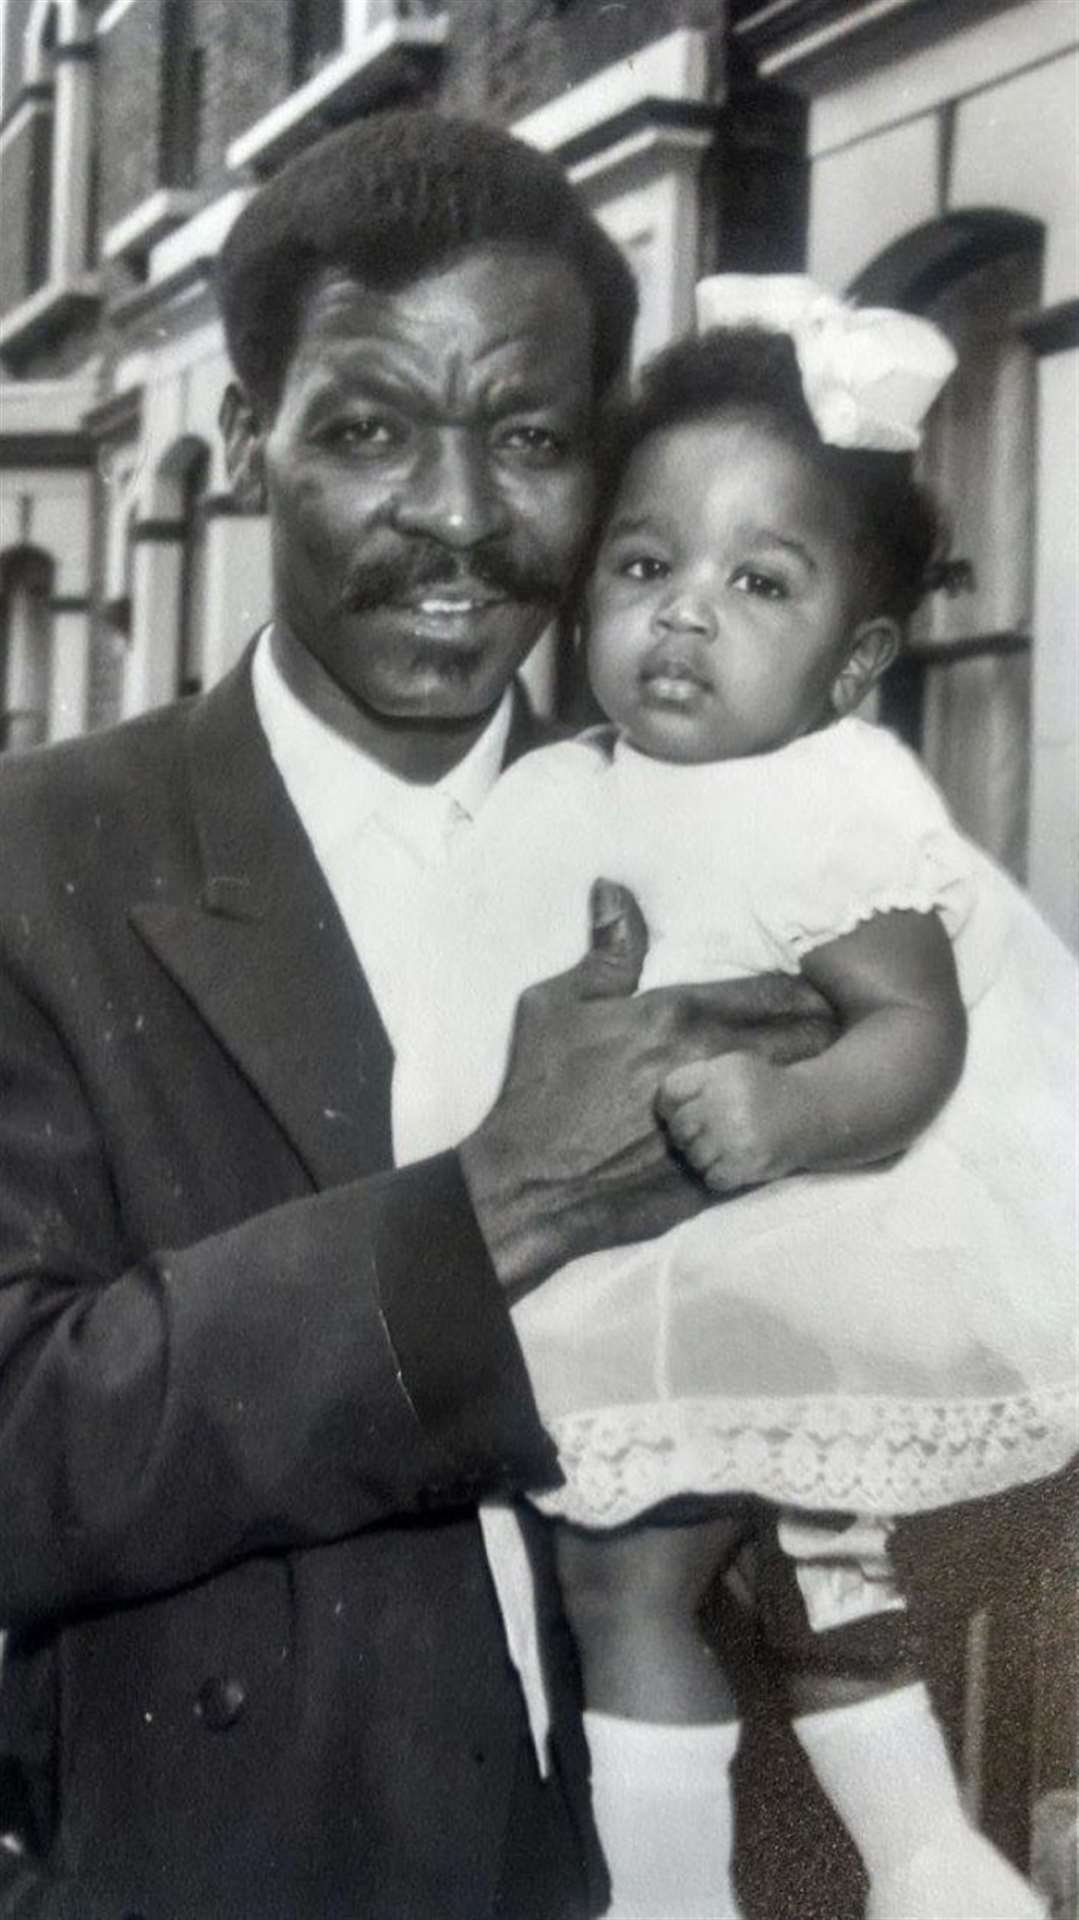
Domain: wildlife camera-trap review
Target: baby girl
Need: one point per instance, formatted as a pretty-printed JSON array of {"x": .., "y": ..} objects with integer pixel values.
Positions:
[{"x": 881, "y": 1321}]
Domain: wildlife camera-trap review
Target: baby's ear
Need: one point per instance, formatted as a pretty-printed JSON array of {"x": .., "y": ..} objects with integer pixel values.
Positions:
[{"x": 873, "y": 648}]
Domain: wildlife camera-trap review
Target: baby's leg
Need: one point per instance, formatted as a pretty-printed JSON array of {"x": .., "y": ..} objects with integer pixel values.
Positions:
[
  {"x": 873, "y": 1740},
  {"x": 632, "y": 1596},
  {"x": 659, "y": 1714}
]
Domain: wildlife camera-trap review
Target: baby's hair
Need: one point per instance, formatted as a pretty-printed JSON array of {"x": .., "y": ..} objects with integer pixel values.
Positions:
[
  {"x": 390, "y": 198},
  {"x": 898, "y": 528}
]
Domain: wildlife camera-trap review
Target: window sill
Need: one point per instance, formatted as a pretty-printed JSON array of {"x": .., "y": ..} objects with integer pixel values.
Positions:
[
  {"x": 381, "y": 56},
  {"x": 672, "y": 69},
  {"x": 132, "y": 237},
  {"x": 45, "y": 313}
]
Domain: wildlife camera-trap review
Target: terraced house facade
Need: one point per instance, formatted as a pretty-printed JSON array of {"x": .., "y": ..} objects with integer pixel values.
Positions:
[{"x": 920, "y": 155}]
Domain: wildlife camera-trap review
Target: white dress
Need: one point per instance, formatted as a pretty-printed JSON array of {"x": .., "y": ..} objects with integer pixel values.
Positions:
[{"x": 881, "y": 1341}]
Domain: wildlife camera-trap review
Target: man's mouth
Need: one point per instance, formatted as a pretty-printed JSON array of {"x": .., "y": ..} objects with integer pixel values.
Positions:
[
  {"x": 423, "y": 582},
  {"x": 442, "y": 605},
  {"x": 445, "y": 602}
]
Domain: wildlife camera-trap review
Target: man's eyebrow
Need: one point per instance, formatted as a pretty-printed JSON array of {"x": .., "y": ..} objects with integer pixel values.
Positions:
[
  {"x": 333, "y": 383},
  {"x": 527, "y": 387}
]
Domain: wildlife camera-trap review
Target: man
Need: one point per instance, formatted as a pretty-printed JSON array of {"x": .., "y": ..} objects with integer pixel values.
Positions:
[{"x": 252, "y": 1380}]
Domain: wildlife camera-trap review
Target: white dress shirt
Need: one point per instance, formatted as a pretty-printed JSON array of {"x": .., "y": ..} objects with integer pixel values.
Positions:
[
  {"x": 381, "y": 843},
  {"x": 375, "y": 836}
]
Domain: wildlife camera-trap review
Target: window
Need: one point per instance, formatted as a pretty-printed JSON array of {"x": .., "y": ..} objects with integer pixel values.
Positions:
[
  {"x": 52, "y": 134},
  {"x": 183, "y": 89},
  {"x": 960, "y": 692},
  {"x": 39, "y": 203},
  {"x": 39, "y": 200},
  {"x": 25, "y": 648},
  {"x": 317, "y": 33},
  {"x": 192, "y": 614}
]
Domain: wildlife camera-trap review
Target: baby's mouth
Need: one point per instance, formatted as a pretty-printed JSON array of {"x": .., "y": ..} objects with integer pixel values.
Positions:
[{"x": 674, "y": 678}]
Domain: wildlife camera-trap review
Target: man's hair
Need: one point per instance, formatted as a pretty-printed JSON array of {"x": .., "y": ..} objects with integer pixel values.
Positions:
[
  {"x": 390, "y": 198},
  {"x": 897, "y": 526}
]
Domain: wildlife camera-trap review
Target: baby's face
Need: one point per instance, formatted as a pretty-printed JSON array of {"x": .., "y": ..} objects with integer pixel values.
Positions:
[{"x": 721, "y": 607}]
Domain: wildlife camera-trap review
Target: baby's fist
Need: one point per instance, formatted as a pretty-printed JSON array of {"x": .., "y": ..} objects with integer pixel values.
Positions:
[{"x": 725, "y": 1116}]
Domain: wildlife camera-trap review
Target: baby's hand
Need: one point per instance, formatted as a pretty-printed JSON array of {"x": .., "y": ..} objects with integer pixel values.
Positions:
[{"x": 730, "y": 1118}]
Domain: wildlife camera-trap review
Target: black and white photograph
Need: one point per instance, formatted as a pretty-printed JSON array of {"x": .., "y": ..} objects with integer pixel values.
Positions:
[{"x": 539, "y": 1002}]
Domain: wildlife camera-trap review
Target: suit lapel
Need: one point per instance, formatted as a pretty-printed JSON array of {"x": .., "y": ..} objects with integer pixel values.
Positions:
[{"x": 263, "y": 953}]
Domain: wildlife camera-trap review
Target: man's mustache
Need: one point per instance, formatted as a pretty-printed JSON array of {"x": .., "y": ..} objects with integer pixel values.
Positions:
[{"x": 400, "y": 576}]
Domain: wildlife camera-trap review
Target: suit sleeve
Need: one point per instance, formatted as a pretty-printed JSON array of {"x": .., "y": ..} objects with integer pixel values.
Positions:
[{"x": 344, "y": 1358}]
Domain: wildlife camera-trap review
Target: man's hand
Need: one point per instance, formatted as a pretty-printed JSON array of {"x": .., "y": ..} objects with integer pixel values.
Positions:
[
  {"x": 731, "y": 1118},
  {"x": 572, "y": 1157}
]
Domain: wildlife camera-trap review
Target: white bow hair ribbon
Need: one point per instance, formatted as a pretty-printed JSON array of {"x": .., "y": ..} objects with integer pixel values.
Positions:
[{"x": 869, "y": 374}]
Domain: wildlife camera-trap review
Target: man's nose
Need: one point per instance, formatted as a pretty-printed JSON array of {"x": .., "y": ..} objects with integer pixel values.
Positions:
[
  {"x": 687, "y": 610},
  {"x": 451, "y": 495}
]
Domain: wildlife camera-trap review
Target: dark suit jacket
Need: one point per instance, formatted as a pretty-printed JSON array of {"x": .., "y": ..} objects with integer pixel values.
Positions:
[{"x": 251, "y": 1384}]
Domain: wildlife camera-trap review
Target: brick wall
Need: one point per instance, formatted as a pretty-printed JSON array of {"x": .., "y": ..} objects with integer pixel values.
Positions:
[
  {"x": 594, "y": 36},
  {"x": 129, "y": 80},
  {"x": 16, "y": 15},
  {"x": 255, "y": 73},
  {"x": 506, "y": 57},
  {"x": 244, "y": 53},
  {"x": 503, "y": 59}
]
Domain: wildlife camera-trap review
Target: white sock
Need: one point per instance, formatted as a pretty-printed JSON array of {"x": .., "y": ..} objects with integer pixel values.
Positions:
[
  {"x": 885, "y": 1767},
  {"x": 662, "y": 1801}
]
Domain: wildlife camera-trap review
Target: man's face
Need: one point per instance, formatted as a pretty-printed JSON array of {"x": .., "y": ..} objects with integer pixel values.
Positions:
[{"x": 429, "y": 480}]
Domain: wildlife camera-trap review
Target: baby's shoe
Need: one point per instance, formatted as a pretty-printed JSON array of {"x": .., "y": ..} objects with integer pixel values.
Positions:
[{"x": 958, "y": 1875}]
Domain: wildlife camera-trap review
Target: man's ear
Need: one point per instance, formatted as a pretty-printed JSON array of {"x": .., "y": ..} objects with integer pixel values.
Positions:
[
  {"x": 244, "y": 435},
  {"x": 873, "y": 648}
]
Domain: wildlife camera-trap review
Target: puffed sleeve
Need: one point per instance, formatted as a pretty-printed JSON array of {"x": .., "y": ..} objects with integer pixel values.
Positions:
[{"x": 863, "y": 831}]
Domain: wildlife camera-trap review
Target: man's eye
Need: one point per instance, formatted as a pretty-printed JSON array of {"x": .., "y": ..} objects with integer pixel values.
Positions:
[
  {"x": 370, "y": 434},
  {"x": 539, "y": 442},
  {"x": 765, "y": 586}
]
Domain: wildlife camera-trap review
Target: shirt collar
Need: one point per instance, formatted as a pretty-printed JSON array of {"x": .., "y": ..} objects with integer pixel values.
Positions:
[{"x": 332, "y": 781}]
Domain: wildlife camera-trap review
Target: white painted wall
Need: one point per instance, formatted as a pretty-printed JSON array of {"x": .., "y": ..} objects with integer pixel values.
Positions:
[
  {"x": 50, "y": 508},
  {"x": 1011, "y": 84},
  {"x": 1016, "y": 146},
  {"x": 237, "y": 588},
  {"x": 57, "y": 520},
  {"x": 183, "y": 381},
  {"x": 865, "y": 196},
  {"x": 1054, "y": 800},
  {"x": 981, "y": 56}
]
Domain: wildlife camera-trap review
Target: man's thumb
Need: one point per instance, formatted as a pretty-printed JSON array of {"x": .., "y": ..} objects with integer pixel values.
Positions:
[{"x": 619, "y": 940}]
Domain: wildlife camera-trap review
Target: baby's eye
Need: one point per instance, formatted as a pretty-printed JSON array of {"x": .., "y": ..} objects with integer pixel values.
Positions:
[
  {"x": 766, "y": 586},
  {"x": 642, "y": 566}
]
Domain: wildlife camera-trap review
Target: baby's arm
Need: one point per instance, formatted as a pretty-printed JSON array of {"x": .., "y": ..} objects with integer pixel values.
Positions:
[{"x": 739, "y": 1120}]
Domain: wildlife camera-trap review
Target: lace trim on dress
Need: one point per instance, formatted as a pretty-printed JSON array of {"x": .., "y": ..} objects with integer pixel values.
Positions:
[{"x": 857, "y": 1454}]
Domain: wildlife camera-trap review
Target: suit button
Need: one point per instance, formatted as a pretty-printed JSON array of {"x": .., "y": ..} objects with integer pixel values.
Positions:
[{"x": 220, "y": 1702}]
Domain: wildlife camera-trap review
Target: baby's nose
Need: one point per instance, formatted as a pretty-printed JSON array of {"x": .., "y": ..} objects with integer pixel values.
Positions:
[{"x": 688, "y": 612}]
